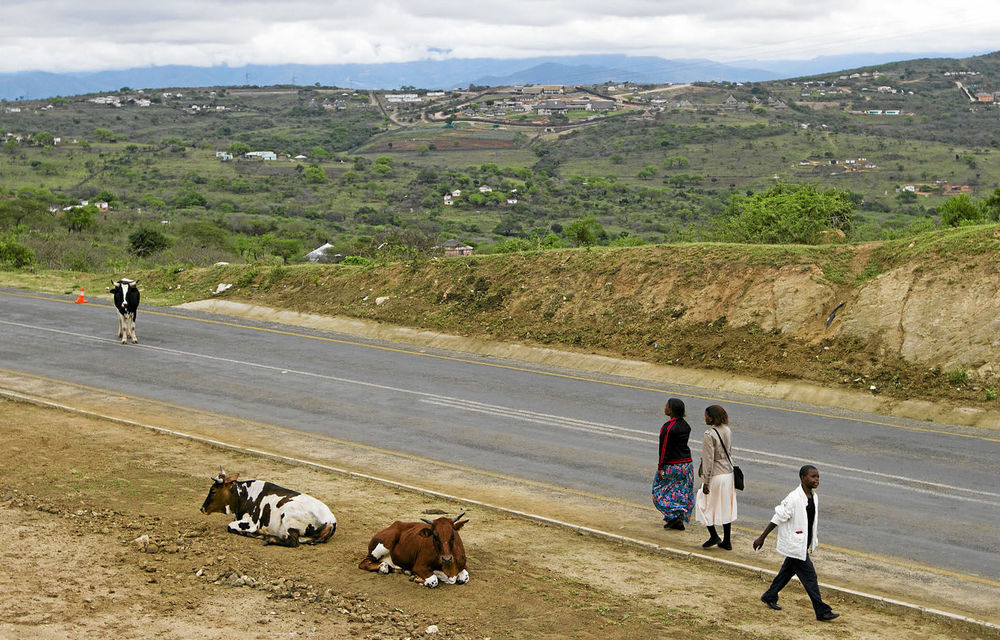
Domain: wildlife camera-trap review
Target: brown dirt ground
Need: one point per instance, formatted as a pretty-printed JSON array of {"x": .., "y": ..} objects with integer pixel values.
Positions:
[{"x": 102, "y": 538}]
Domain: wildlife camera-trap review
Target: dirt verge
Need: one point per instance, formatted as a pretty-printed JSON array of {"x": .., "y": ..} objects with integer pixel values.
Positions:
[{"x": 102, "y": 537}]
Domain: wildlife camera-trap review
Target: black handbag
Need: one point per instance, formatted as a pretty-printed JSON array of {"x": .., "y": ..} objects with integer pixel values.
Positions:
[{"x": 737, "y": 472}]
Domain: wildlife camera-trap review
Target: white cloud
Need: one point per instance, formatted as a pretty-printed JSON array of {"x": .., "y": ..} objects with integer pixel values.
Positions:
[{"x": 67, "y": 35}]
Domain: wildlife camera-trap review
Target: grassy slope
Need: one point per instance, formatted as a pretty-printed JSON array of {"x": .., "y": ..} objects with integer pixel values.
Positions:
[{"x": 618, "y": 302}]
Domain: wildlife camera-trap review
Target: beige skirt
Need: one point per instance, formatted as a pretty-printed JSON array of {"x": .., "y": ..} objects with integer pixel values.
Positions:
[{"x": 719, "y": 506}]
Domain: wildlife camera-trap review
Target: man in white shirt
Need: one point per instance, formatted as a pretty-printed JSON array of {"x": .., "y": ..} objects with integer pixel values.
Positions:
[{"x": 796, "y": 519}]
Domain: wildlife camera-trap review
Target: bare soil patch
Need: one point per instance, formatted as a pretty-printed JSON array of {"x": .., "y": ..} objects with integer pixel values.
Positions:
[{"x": 102, "y": 538}]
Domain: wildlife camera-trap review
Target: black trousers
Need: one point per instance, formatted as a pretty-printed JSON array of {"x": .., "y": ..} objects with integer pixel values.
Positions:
[{"x": 807, "y": 575}]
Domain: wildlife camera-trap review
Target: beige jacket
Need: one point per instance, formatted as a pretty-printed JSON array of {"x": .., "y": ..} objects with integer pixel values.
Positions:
[{"x": 713, "y": 458}]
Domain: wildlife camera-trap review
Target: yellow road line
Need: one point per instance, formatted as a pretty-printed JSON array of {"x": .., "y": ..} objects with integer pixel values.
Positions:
[{"x": 541, "y": 372}]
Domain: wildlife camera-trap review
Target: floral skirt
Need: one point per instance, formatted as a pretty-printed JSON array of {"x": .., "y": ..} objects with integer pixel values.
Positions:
[{"x": 673, "y": 494}]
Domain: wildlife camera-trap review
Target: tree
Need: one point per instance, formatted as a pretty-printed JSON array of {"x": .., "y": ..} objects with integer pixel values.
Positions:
[
  {"x": 960, "y": 209},
  {"x": 679, "y": 162},
  {"x": 647, "y": 172},
  {"x": 991, "y": 205},
  {"x": 15, "y": 211},
  {"x": 44, "y": 139},
  {"x": 80, "y": 218},
  {"x": 147, "y": 241},
  {"x": 314, "y": 175},
  {"x": 106, "y": 196},
  {"x": 238, "y": 148},
  {"x": 104, "y": 135},
  {"x": 786, "y": 213},
  {"x": 250, "y": 248},
  {"x": 584, "y": 232},
  {"x": 284, "y": 248},
  {"x": 320, "y": 153}
]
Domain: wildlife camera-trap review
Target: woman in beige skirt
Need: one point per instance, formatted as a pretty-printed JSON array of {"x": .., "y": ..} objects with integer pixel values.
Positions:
[{"x": 715, "y": 504}]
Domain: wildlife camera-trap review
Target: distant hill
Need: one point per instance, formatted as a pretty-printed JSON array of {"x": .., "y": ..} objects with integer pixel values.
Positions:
[{"x": 434, "y": 74}]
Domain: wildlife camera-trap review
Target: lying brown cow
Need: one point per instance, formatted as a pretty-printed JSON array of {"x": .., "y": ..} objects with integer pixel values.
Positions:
[{"x": 433, "y": 551}]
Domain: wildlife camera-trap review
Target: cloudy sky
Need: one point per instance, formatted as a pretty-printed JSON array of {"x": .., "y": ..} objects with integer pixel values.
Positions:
[{"x": 70, "y": 35}]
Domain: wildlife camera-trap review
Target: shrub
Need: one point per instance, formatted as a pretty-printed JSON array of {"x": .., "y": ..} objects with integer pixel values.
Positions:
[
  {"x": 356, "y": 260},
  {"x": 958, "y": 377},
  {"x": 787, "y": 213},
  {"x": 247, "y": 278},
  {"x": 15, "y": 254},
  {"x": 146, "y": 241},
  {"x": 314, "y": 175},
  {"x": 960, "y": 209},
  {"x": 189, "y": 198}
]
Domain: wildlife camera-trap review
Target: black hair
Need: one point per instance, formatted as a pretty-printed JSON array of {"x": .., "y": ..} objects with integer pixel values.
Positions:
[
  {"x": 806, "y": 469},
  {"x": 676, "y": 407}
]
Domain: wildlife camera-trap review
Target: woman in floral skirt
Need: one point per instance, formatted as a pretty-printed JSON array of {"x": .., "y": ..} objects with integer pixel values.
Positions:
[{"x": 673, "y": 486}]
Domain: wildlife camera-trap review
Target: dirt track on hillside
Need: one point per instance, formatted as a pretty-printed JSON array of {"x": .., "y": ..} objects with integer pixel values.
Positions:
[{"x": 103, "y": 538}]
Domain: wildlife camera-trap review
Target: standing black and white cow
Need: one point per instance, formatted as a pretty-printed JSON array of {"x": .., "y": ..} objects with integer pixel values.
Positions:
[
  {"x": 126, "y": 295},
  {"x": 262, "y": 508}
]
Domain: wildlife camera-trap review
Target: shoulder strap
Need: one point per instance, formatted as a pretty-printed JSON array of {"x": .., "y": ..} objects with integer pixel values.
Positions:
[{"x": 722, "y": 442}]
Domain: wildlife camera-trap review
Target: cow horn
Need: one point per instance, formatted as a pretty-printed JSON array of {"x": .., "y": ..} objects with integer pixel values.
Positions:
[
  {"x": 428, "y": 521},
  {"x": 457, "y": 518}
]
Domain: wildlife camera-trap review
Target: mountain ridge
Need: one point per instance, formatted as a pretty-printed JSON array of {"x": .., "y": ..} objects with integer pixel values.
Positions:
[{"x": 436, "y": 74}]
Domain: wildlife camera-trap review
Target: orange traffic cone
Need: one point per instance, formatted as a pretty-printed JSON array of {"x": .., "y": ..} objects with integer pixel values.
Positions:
[{"x": 80, "y": 299}]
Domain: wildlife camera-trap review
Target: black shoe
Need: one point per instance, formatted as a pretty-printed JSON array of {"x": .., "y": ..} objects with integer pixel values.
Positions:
[
  {"x": 773, "y": 605},
  {"x": 727, "y": 545},
  {"x": 711, "y": 542},
  {"x": 676, "y": 524},
  {"x": 828, "y": 616}
]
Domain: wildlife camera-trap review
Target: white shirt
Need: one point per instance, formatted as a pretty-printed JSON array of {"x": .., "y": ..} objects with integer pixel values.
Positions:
[{"x": 793, "y": 524}]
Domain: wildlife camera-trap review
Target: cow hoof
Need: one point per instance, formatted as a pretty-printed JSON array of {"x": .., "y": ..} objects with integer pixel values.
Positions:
[
  {"x": 462, "y": 577},
  {"x": 431, "y": 582},
  {"x": 383, "y": 568}
]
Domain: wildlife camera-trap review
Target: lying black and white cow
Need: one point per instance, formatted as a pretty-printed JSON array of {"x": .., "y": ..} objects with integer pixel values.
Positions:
[
  {"x": 126, "y": 295},
  {"x": 280, "y": 516}
]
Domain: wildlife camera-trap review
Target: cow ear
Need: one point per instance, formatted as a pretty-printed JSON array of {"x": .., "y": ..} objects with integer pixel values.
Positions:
[
  {"x": 425, "y": 533},
  {"x": 232, "y": 478},
  {"x": 459, "y": 525}
]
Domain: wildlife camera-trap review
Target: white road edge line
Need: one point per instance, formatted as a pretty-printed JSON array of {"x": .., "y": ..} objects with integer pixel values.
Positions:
[
  {"x": 523, "y": 514},
  {"x": 622, "y": 433},
  {"x": 600, "y": 429}
]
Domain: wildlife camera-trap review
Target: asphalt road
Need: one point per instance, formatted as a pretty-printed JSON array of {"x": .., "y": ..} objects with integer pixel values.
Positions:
[{"x": 923, "y": 492}]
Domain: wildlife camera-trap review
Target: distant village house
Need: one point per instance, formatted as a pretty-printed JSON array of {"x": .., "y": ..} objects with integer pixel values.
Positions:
[{"x": 454, "y": 249}]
